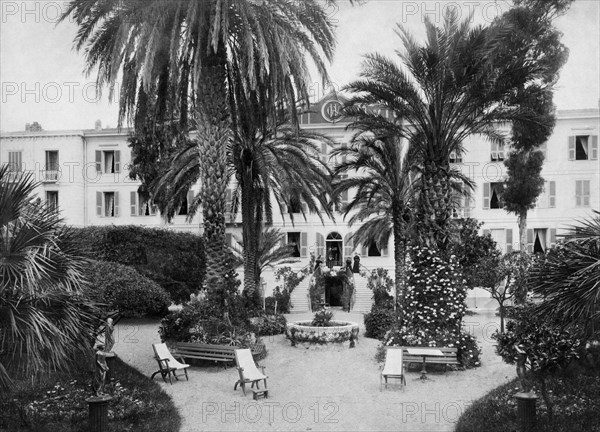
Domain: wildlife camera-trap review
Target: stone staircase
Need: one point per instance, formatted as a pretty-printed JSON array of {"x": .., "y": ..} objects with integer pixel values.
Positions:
[
  {"x": 299, "y": 297},
  {"x": 364, "y": 295}
]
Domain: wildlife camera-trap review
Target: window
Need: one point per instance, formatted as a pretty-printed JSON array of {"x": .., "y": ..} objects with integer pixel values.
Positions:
[
  {"x": 297, "y": 206},
  {"x": 583, "y": 147},
  {"x": 323, "y": 156},
  {"x": 492, "y": 195},
  {"x": 107, "y": 204},
  {"x": 184, "y": 208},
  {"x": 14, "y": 163},
  {"x": 547, "y": 199},
  {"x": 373, "y": 250},
  {"x": 455, "y": 157},
  {"x": 108, "y": 161},
  {"x": 462, "y": 203},
  {"x": 339, "y": 207},
  {"x": 52, "y": 200},
  {"x": 503, "y": 238},
  {"x": 51, "y": 172},
  {"x": 582, "y": 193},
  {"x": 141, "y": 206},
  {"x": 293, "y": 239},
  {"x": 540, "y": 239},
  {"x": 497, "y": 152}
]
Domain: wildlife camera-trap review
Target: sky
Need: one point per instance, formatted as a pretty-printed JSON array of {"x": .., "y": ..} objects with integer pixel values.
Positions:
[{"x": 42, "y": 77}]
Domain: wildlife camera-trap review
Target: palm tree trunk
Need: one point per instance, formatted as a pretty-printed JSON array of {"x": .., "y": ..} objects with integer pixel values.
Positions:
[
  {"x": 249, "y": 233},
  {"x": 214, "y": 134},
  {"x": 399, "y": 263},
  {"x": 434, "y": 205},
  {"x": 523, "y": 230}
]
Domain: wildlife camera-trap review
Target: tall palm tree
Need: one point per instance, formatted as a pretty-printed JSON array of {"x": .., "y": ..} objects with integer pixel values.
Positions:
[
  {"x": 272, "y": 166},
  {"x": 185, "y": 54},
  {"x": 384, "y": 195},
  {"x": 45, "y": 321},
  {"x": 443, "y": 91}
]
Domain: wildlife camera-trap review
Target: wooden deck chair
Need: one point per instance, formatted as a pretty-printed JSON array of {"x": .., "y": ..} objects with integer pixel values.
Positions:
[
  {"x": 167, "y": 364},
  {"x": 248, "y": 370},
  {"x": 393, "y": 367}
]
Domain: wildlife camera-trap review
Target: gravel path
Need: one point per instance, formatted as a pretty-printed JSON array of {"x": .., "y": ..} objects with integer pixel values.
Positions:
[{"x": 322, "y": 388}]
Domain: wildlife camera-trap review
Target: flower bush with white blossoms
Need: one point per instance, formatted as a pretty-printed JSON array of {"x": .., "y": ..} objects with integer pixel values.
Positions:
[{"x": 434, "y": 307}]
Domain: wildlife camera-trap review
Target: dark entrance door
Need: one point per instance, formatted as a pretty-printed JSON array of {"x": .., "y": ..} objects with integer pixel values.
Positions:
[{"x": 334, "y": 289}]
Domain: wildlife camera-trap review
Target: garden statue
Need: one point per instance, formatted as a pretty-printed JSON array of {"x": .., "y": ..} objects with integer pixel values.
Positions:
[
  {"x": 521, "y": 370},
  {"x": 101, "y": 368},
  {"x": 356, "y": 266}
]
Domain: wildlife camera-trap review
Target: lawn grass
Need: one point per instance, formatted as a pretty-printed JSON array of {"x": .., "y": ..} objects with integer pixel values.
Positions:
[
  {"x": 577, "y": 408},
  {"x": 58, "y": 404}
]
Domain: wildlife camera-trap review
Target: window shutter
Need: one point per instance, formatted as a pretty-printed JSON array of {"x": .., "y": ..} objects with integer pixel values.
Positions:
[
  {"x": 98, "y": 161},
  {"x": 578, "y": 192},
  {"x": 384, "y": 249},
  {"x": 304, "y": 207},
  {"x": 153, "y": 209},
  {"x": 594, "y": 152},
  {"x": 486, "y": 232},
  {"x": 552, "y": 237},
  {"x": 344, "y": 197},
  {"x": 586, "y": 193},
  {"x": 98, "y": 203},
  {"x": 364, "y": 250},
  {"x": 117, "y": 161},
  {"x": 571, "y": 148},
  {"x": 348, "y": 245},
  {"x": 467, "y": 207},
  {"x": 116, "y": 204},
  {"x": 228, "y": 239},
  {"x": 303, "y": 244},
  {"x": 486, "y": 195},
  {"x": 284, "y": 209},
  {"x": 509, "y": 240},
  {"x": 133, "y": 202},
  {"x": 552, "y": 194},
  {"x": 530, "y": 240},
  {"x": 324, "y": 152},
  {"x": 228, "y": 200},
  {"x": 320, "y": 244}
]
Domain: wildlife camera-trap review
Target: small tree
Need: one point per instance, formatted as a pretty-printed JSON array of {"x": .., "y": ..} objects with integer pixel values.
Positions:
[
  {"x": 506, "y": 279},
  {"x": 548, "y": 348}
]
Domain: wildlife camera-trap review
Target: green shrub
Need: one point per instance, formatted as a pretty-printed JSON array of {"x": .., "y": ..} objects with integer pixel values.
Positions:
[
  {"x": 268, "y": 325},
  {"x": 123, "y": 288},
  {"x": 381, "y": 284},
  {"x": 282, "y": 297},
  {"x": 577, "y": 408},
  {"x": 174, "y": 260},
  {"x": 378, "y": 322},
  {"x": 322, "y": 318}
]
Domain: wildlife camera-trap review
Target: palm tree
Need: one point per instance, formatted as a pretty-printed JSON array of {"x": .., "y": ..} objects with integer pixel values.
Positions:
[
  {"x": 568, "y": 279},
  {"x": 186, "y": 53},
  {"x": 276, "y": 165},
  {"x": 384, "y": 195},
  {"x": 444, "y": 91},
  {"x": 45, "y": 321}
]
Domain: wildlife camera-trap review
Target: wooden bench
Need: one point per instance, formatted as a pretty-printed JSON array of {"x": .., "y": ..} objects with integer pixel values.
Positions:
[
  {"x": 448, "y": 358},
  {"x": 217, "y": 353}
]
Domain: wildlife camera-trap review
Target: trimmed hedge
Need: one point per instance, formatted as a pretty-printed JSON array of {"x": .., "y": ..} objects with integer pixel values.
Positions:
[
  {"x": 125, "y": 289},
  {"x": 174, "y": 260}
]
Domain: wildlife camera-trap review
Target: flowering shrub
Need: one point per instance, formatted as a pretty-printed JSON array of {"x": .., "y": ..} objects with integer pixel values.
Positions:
[
  {"x": 381, "y": 284},
  {"x": 290, "y": 278},
  {"x": 435, "y": 306},
  {"x": 267, "y": 325},
  {"x": 302, "y": 332}
]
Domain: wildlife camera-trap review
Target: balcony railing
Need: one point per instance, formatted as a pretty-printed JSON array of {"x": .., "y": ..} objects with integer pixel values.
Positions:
[{"x": 49, "y": 176}]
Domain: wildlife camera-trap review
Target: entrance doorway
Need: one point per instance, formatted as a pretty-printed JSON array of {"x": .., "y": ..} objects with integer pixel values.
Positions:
[
  {"x": 333, "y": 250},
  {"x": 334, "y": 290}
]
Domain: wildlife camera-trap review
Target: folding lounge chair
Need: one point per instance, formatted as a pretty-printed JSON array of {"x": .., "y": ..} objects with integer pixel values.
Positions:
[
  {"x": 248, "y": 370},
  {"x": 393, "y": 367},
  {"x": 167, "y": 365}
]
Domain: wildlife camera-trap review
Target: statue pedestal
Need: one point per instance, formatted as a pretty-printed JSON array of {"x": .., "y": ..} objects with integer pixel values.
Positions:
[
  {"x": 98, "y": 417},
  {"x": 526, "y": 411}
]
